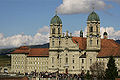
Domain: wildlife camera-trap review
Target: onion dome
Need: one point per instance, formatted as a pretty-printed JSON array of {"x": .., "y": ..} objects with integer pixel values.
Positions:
[
  {"x": 56, "y": 20},
  {"x": 93, "y": 17},
  {"x": 105, "y": 33},
  {"x": 81, "y": 33}
]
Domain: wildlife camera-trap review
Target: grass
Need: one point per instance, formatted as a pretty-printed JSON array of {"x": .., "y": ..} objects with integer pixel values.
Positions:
[{"x": 4, "y": 60}]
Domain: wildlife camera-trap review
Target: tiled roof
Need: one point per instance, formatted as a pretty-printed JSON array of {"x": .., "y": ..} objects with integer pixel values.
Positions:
[
  {"x": 39, "y": 52},
  {"x": 109, "y": 48},
  {"x": 81, "y": 41},
  {"x": 20, "y": 50},
  {"x": 32, "y": 51}
]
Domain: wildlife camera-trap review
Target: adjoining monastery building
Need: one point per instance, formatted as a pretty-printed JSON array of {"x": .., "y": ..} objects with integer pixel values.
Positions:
[{"x": 66, "y": 53}]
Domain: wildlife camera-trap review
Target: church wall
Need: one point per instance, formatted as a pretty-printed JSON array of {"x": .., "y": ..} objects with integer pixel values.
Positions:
[
  {"x": 38, "y": 64},
  {"x": 90, "y": 59}
]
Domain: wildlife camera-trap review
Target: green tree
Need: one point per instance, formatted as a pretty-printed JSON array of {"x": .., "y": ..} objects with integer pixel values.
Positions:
[
  {"x": 88, "y": 76},
  {"x": 111, "y": 71}
]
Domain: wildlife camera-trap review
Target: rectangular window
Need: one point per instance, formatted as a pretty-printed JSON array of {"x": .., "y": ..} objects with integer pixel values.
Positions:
[
  {"x": 91, "y": 29},
  {"x": 73, "y": 60},
  {"x": 97, "y": 42},
  {"x": 53, "y": 43},
  {"x": 66, "y": 60}
]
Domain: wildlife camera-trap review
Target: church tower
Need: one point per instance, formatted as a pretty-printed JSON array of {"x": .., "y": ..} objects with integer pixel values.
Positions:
[
  {"x": 55, "y": 43},
  {"x": 93, "y": 32},
  {"x": 93, "y": 39},
  {"x": 55, "y": 31}
]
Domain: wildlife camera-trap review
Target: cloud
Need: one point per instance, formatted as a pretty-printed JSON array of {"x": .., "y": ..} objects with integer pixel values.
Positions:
[
  {"x": 44, "y": 30},
  {"x": 80, "y": 6},
  {"x": 112, "y": 33},
  {"x": 21, "y": 39}
]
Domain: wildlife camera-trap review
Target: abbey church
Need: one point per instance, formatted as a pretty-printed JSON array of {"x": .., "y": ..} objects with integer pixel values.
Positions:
[{"x": 67, "y": 53}]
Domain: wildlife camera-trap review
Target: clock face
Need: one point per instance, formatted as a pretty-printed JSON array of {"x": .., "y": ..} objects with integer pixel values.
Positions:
[
  {"x": 97, "y": 35},
  {"x": 90, "y": 35}
]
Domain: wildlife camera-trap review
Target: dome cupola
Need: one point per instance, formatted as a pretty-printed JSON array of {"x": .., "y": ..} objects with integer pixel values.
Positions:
[
  {"x": 56, "y": 20},
  {"x": 93, "y": 17},
  {"x": 105, "y": 33},
  {"x": 81, "y": 33}
]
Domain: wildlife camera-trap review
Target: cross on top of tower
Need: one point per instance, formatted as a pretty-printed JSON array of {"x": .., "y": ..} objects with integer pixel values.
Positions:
[
  {"x": 93, "y": 6},
  {"x": 55, "y": 12}
]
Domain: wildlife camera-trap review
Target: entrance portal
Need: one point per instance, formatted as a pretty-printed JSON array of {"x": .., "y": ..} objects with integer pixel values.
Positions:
[{"x": 66, "y": 71}]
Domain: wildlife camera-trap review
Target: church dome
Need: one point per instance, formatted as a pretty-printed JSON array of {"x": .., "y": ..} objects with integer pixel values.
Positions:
[
  {"x": 56, "y": 20},
  {"x": 81, "y": 32},
  {"x": 93, "y": 17},
  {"x": 105, "y": 33}
]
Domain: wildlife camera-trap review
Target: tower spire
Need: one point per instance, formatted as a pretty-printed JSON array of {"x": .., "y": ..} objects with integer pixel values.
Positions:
[
  {"x": 55, "y": 12},
  {"x": 93, "y": 6}
]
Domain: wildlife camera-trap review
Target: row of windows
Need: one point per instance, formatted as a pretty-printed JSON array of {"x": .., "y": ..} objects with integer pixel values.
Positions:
[
  {"x": 92, "y": 41},
  {"x": 73, "y": 61},
  {"x": 107, "y": 59},
  {"x": 22, "y": 58},
  {"x": 53, "y": 31},
  {"x": 38, "y": 62},
  {"x": 37, "y": 58},
  {"x": 18, "y": 62},
  {"x": 44, "y": 67},
  {"x": 17, "y": 66},
  {"x": 91, "y": 29}
]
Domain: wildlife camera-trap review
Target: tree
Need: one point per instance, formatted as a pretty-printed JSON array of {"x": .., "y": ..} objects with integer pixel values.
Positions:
[
  {"x": 88, "y": 76},
  {"x": 97, "y": 70},
  {"x": 111, "y": 71}
]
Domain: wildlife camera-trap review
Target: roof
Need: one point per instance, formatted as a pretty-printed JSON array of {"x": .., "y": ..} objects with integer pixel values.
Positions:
[
  {"x": 42, "y": 52},
  {"x": 93, "y": 17},
  {"x": 109, "y": 48},
  {"x": 21, "y": 50},
  {"x": 81, "y": 41},
  {"x": 56, "y": 20}
]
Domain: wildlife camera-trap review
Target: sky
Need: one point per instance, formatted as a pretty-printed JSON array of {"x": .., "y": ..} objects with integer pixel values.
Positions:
[{"x": 27, "y": 21}]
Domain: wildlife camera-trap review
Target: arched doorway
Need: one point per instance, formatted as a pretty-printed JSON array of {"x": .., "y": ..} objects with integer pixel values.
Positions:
[{"x": 66, "y": 70}]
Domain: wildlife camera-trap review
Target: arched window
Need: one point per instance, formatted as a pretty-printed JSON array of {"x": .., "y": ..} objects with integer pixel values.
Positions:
[
  {"x": 66, "y": 60},
  {"x": 90, "y": 61},
  {"x": 53, "y": 31},
  {"x": 97, "y": 42},
  {"x": 97, "y": 29},
  {"x": 90, "y": 42},
  {"x": 82, "y": 60},
  {"x": 58, "y": 30},
  {"x": 91, "y": 29}
]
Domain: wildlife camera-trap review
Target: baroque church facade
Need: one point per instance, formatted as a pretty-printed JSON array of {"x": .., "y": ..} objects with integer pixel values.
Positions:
[{"x": 66, "y": 53}]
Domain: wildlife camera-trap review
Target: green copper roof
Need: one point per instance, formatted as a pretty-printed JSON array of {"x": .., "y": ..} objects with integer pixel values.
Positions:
[
  {"x": 56, "y": 20},
  {"x": 105, "y": 33},
  {"x": 93, "y": 17},
  {"x": 81, "y": 32}
]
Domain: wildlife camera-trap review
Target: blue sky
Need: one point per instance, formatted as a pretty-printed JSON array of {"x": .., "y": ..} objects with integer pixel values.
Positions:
[
  {"x": 28, "y": 16},
  {"x": 17, "y": 16}
]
